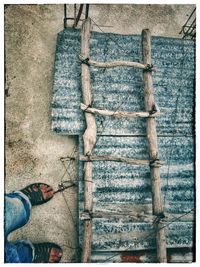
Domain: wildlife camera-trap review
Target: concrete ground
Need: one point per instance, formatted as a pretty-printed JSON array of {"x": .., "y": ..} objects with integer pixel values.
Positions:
[{"x": 33, "y": 151}]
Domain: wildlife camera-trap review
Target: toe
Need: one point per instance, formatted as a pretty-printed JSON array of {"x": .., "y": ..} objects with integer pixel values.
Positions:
[
  {"x": 56, "y": 251},
  {"x": 55, "y": 255},
  {"x": 54, "y": 258},
  {"x": 49, "y": 188},
  {"x": 47, "y": 191},
  {"x": 48, "y": 195}
]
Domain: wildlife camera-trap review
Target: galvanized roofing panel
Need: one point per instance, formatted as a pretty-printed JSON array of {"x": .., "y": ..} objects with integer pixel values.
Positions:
[
  {"x": 120, "y": 187},
  {"x": 173, "y": 256},
  {"x": 122, "y": 87},
  {"x": 125, "y": 188}
]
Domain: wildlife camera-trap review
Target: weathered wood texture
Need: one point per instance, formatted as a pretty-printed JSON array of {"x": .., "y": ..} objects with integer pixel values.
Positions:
[
  {"x": 116, "y": 63},
  {"x": 117, "y": 113},
  {"x": 89, "y": 139},
  {"x": 89, "y": 136},
  {"x": 153, "y": 149},
  {"x": 114, "y": 158}
]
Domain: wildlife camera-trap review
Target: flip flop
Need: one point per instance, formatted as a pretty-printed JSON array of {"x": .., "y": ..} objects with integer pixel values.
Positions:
[
  {"x": 43, "y": 253},
  {"x": 35, "y": 194}
]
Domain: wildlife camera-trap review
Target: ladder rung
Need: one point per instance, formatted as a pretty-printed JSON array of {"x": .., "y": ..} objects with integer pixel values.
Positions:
[
  {"x": 140, "y": 216},
  {"x": 116, "y": 63},
  {"x": 156, "y": 163},
  {"x": 149, "y": 218},
  {"x": 118, "y": 113}
]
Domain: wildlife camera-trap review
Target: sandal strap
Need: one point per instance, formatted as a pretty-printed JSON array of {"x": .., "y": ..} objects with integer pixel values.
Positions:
[{"x": 35, "y": 196}]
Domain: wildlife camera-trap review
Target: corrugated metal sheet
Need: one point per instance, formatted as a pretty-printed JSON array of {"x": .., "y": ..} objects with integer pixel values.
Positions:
[
  {"x": 124, "y": 188},
  {"x": 121, "y": 187},
  {"x": 122, "y": 87},
  {"x": 173, "y": 256}
]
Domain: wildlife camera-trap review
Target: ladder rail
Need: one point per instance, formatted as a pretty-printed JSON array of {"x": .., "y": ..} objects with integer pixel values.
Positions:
[
  {"x": 90, "y": 134},
  {"x": 89, "y": 139},
  {"x": 158, "y": 208}
]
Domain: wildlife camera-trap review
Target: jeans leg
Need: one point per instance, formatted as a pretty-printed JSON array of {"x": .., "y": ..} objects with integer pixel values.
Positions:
[
  {"x": 19, "y": 252},
  {"x": 17, "y": 213}
]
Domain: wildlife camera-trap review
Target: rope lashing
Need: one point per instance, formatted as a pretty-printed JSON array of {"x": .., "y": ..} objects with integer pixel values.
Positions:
[
  {"x": 84, "y": 60},
  {"x": 159, "y": 217},
  {"x": 89, "y": 158},
  {"x": 89, "y": 106},
  {"x": 149, "y": 67},
  {"x": 153, "y": 110},
  {"x": 86, "y": 215},
  {"x": 155, "y": 163}
]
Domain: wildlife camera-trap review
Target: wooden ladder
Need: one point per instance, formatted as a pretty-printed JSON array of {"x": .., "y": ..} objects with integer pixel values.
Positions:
[{"x": 89, "y": 138}]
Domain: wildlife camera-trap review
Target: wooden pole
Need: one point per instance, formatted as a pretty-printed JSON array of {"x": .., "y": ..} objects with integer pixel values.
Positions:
[
  {"x": 89, "y": 136},
  {"x": 153, "y": 149},
  {"x": 89, "y": 139}
]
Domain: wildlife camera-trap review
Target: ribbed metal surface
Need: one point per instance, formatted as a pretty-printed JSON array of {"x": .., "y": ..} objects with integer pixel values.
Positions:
[
  {"x": 173, "y": 256},
  {"x": 120, "y": 187},
  {"x": 122, "y": 87}
]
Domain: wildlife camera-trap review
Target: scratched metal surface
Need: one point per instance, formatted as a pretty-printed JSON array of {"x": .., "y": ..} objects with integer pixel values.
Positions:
[
  {"x": 122, "y": 88},
  {"x": 121, "y": 187}
]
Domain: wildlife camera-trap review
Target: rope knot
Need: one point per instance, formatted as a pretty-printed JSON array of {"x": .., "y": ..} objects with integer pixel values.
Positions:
[
  {"x": 88, "y": 106},
  {"x": 149, "y": 67},
  {"x": 153, "y": 110},
  {"x": 84, "y": 60}
]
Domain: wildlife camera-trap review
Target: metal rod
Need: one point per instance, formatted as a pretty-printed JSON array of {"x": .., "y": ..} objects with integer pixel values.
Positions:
[
  {"x": 73, "y": 19},
  {"x": 65, "y": 16},
  {"x": 87, "y": 11},
  {"x": 191, "y": 30},
  {"x": 79, "y": 15},
  {"x": 74, "y": 14},
  {"x": 187, "y": 20},
  {"x": 190, "y": 27}
]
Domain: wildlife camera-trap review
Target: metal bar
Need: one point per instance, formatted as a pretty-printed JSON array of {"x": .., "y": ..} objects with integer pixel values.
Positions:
[
  {"x": 87, "y": 11},
  {"x": 74, "y": 14},
  {"x": 190, "y": 27},
  {"x": 79, "y": 15},
  {"x": 65, "y": 16},
  {"x": 187, "y": 20}
]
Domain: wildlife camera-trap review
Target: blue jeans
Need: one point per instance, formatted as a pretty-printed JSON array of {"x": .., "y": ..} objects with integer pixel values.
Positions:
[{"x": 17, "y": 213}]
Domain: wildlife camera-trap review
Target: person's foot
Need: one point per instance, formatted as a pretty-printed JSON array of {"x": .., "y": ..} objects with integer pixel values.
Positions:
[
  {"x": 47, "y": 253},
  {"x": 38, "y": 193}
]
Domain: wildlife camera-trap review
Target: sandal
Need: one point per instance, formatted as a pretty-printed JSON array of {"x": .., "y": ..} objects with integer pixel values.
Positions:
[
  {"x": 35, "y": 194},
  {"x": 43, "y": 253}
]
